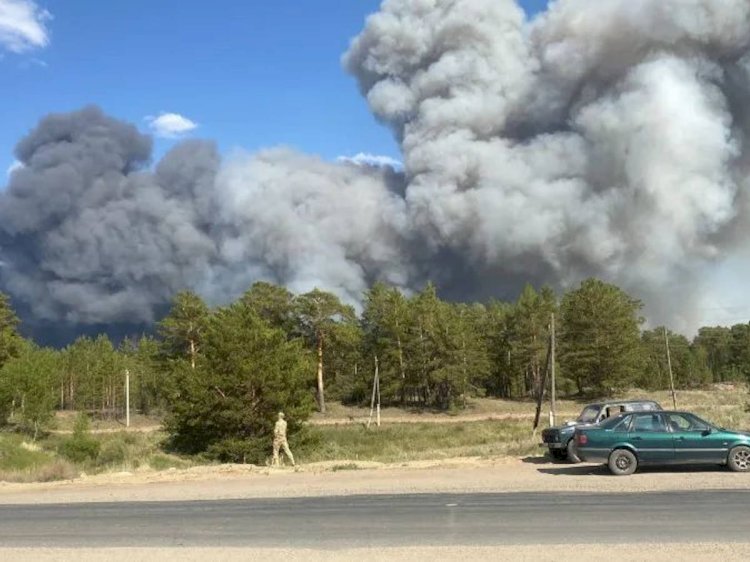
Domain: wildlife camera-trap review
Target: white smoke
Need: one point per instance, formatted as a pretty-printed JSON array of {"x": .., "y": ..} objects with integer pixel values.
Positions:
[{"x": 602, "y": 138}]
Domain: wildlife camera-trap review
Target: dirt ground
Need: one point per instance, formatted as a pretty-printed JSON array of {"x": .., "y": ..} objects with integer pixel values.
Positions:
[
  {"x": 337, "y": 478},
  {"x": 622, "y": 553}
]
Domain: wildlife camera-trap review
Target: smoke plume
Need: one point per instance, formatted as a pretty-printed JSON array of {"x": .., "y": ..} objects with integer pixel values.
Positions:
[{"x": 600, "y": 138}]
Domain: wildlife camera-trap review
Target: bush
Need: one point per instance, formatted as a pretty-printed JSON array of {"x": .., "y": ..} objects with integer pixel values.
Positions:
[
  {"x": 79, "y": 449},
  {"x": 164, "y": 462},
  {"x": 113, "y": 452},
  {"x": 241, "y": 451}
]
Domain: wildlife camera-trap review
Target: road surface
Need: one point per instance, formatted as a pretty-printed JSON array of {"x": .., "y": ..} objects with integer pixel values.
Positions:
[{"x": 386, "y": 521}]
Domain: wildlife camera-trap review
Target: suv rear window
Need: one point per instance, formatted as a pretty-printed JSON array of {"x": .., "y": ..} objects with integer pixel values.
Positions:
[
  {"x": 617, "y": 423},
  {"x": 589, "y": 414}
]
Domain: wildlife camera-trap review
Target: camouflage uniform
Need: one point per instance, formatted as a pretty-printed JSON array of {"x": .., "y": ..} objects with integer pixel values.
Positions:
[{"x": 280, "y": 442}]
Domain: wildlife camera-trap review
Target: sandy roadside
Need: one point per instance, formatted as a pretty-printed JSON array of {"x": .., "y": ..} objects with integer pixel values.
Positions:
[
  {"x": 623, "y": 553},
  {"x": 347, "y": 478}
]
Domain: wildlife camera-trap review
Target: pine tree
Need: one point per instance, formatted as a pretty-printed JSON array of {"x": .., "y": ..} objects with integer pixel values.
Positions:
[
  {"x": 9, "y": 338},
  {"x": 600, "y": 345},
  {"x": 227, "y": 404},
  {"x": 318, "y": 315},
  {"x": 182, "y": 331}
]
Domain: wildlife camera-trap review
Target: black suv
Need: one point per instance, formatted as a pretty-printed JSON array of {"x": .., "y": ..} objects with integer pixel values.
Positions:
[{"x": 559, "y": 440}]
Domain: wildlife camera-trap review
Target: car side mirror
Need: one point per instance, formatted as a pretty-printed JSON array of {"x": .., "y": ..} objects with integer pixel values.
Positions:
[{"x": 706, "y": 432}]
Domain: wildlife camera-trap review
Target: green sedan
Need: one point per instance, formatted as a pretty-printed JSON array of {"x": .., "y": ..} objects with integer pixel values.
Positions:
[{"x": 627, "y": 441}]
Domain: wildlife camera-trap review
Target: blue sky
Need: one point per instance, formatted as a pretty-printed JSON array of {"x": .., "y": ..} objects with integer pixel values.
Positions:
[{"x": 251, "y": 74}]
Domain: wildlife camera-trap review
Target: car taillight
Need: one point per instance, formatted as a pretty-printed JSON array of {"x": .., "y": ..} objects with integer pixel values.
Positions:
[{"x": 581, "y": 439}]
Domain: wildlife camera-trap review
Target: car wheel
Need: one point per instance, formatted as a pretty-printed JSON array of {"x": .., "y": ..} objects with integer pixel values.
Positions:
[
  {"x": 622, "y": 462},
  {"x": 739, "y": 459},
  {"x": 559, "y": 454},
  {"x": 572, "y": 454}
]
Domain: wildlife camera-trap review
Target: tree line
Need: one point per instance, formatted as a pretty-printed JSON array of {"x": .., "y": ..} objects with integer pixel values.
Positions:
[{"x": 220, "y": 374}]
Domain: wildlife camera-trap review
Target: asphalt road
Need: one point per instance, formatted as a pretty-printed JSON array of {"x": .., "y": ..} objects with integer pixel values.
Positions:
[{"x": 399, "y": 520}]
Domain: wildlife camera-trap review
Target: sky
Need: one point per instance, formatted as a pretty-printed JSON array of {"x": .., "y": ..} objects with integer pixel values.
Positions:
[{"x": 247, "y": 74}]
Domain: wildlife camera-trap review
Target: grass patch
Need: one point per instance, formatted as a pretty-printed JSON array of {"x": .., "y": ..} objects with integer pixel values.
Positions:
[
  {"x": 21, "y": 461},
  {"x": 421, "y": 441}
]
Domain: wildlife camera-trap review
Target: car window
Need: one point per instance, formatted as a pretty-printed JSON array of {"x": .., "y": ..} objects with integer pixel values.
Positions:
[
  {"x": 686, "y": 422},
  {"x": 611, "y": 411},
  {"x": 589, "y": 414},
  {"x": 648, "y": 422},
  {"x": 616, "y": 423}
]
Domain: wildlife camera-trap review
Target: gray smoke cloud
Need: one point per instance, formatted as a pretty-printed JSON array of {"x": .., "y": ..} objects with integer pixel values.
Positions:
[{"x": 604, "y": 138}]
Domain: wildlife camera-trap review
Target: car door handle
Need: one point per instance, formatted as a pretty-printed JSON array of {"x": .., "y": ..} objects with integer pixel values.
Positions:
[{"x": 680, "y": 438}]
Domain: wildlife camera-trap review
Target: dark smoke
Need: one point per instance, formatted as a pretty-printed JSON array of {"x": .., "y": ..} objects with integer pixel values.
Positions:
[{"x": 601, "y": 138}]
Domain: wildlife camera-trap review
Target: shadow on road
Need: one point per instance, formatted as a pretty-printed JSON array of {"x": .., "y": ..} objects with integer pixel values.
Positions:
[
  {"x": 566, "y": 469},
  {"x": 577, "y": 470}
]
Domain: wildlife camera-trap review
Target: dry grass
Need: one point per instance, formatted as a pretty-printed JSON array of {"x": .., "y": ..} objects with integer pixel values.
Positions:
[
  {"x": 422, "y": 441},
  {"x": 58, "y": 469},
  {"x": 488, "y": 428}
]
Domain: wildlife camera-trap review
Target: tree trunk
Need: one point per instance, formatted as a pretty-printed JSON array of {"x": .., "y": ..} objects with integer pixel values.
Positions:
[
  {"x": 401, "y": 369},
  {"x": 321, "y": 390},
  {"x": 192, "y": 353}
]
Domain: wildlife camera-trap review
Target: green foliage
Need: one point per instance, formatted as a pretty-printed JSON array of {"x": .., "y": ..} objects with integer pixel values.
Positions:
[
  {"x": 80, "y": 449},
  {"x": 183, "y": 330},
  {"x": 273, "y": 304},
  {"x": 81, "y": 446},
  {"x": 689, "y": 365},
  {"x": 15, "y": 454},
  {"x": 112, "y": 453},
  {"x": 92, "y": 376},
  {"x": 600, "y": 345},
  {"x": 29, "y": 381},
  {"x": 9, "y": 338},
  {"x": 322, "y": 321},
  {"x": 247, "y": 372}
]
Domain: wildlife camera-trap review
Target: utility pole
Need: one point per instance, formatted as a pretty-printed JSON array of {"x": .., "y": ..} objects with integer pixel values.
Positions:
[
  {"x": 669, "y": 364},
  {"x": 542, "y": 388},
  {"x": 127, "y": 398},
  {"x": 375, "y": 393},
  {"x": 553, "y": 390}
]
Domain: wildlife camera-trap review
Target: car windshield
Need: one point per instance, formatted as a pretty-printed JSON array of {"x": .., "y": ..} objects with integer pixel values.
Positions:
[{"x": 589, "y": 414}]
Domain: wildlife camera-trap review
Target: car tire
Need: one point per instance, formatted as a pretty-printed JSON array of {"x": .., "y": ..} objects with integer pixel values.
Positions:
[
  {"x": 572, "y": 454},
  {"x": 739, "y": 459},
  {"x": 622, "y": 462},
  {"x": 558, "y": 454}
]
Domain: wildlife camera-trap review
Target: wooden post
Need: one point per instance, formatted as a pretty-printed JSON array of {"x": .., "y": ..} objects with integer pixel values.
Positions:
[
  {"x": 127, "y": 398},
  {"x": 375, "y": 391},
  {"x": 542, "y": 385},
  {"x": 669, "y": 364},
  {"x": 553, "y": 389},
  {"x": 377, "y": 385}
]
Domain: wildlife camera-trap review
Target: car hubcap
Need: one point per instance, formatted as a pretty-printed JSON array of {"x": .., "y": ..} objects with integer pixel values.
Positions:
[
  {"x": 742, "y": 459},
  {"x": 622, "y": 462}
]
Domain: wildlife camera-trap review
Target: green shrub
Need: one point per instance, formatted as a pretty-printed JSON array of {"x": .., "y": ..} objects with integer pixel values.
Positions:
[
  {"x": 79, "y": 449},
  {"x": 112, "y": 452},
  {"x": 249, "y": 451},
  {"x": 164, "y": 462}
]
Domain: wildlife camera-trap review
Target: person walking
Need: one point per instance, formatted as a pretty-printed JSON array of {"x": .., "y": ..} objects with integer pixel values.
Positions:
[{"x": 280, "y": 442}]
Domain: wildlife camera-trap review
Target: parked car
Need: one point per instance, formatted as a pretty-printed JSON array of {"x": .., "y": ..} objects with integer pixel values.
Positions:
[
  {"x": 559, "y": 440},
  {"x": 628, "y": 441}
]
